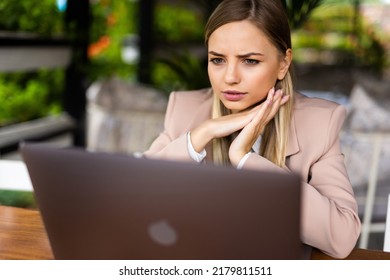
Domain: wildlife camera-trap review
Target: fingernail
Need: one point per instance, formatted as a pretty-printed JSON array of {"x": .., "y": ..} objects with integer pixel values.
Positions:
[
  {"x": 271, "y": 95},
  {"x": 269, "y": 99}
]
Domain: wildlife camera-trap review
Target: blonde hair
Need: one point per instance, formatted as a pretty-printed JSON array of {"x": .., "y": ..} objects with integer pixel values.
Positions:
[{"x": 270, "y": 17}]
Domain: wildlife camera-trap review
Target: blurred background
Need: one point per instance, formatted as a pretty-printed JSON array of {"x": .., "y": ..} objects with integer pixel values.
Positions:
[{"x": 97, "y": 74}]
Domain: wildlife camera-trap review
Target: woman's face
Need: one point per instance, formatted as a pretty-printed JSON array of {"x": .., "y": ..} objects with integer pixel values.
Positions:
[{"x": 243, "y": 65}]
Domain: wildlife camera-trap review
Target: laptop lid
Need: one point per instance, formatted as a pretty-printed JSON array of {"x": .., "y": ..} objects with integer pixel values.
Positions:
[{"x": 106, "y": 206}]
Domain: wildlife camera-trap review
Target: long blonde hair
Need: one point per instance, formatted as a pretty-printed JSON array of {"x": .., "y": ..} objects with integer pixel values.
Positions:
[{"x": 271, "y": 19}]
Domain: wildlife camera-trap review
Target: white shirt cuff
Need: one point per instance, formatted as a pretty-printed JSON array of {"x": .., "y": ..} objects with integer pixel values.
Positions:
[
  {"x": 243, "y": 160},
  {"x": 198, "y": 157}
]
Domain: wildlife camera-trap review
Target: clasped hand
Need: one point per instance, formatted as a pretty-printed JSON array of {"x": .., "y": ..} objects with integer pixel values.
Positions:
[{"x": 250, "y": 124}]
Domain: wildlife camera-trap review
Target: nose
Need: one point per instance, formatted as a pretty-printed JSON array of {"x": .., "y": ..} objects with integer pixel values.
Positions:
[{"x": 232, "y": 75}]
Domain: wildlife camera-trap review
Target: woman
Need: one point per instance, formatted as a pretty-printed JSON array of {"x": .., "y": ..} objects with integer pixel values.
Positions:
[{"x": 252, "y": 118}]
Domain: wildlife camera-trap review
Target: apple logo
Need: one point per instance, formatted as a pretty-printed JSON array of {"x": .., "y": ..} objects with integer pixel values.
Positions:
[{"x": 162, "y": 233}]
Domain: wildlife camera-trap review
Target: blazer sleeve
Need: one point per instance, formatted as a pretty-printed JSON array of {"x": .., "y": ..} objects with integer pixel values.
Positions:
[
  {"x": 172, "y": 142},
  {"x": 329, "y": 210}
]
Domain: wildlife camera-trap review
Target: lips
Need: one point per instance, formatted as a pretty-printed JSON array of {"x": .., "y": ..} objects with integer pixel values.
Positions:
[{"x": 233, "y": 95}]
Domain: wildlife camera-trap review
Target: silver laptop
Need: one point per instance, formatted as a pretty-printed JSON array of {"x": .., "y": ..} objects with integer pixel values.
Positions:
[{"x": 106, "y": 206}]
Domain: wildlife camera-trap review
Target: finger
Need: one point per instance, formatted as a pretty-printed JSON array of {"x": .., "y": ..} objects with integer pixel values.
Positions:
[
  {"x": 229, "y": 124},
  {"x": 267, "y": 102},
  {"x": 279, "y": 100},
  {"x": 270, "y": 96},
  {"x": 284, "y": 99},
  {"x": 265, "y": 112},
  {"x": 271, "y": 103}
]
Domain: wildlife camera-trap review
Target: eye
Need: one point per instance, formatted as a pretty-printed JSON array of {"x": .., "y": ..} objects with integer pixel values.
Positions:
[
  {"x": 217, "y": 60},
  {"x": 250, "y": 61}
]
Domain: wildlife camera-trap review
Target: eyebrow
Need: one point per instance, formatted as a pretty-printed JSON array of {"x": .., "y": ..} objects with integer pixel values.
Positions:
[{"x": 240, "y": 55}]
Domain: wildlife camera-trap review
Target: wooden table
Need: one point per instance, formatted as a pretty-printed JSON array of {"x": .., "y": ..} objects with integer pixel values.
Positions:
[{"x": 23, "y": 237}]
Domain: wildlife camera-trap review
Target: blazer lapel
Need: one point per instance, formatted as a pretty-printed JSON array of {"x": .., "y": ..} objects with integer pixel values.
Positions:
[{"x": 292, "y": 144}]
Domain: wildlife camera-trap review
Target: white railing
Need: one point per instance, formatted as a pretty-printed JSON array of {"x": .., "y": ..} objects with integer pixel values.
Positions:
[{"x": 376, "y": 143}]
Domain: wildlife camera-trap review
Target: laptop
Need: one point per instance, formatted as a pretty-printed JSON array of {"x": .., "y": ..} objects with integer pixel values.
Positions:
[{"x": 97, "y": 205}]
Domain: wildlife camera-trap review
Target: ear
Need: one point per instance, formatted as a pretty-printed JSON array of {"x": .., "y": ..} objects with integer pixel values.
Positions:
[{"x": 285, "y": 64}]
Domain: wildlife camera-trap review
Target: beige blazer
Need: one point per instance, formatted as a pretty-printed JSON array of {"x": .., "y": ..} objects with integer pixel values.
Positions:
[{"x": 329, "y": 209}]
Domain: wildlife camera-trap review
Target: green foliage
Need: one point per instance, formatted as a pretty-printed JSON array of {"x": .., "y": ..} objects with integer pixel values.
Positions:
[
  {"x": 30, "y": 95},
  {"x": 113, "y": 20},
  {"x": 182, "y": 70},
  {"x": 336, "y": 28},
  {"x": 178, "y": 29},
  {"x": 371, "y": 52},
  {"x": 175, "y": 24},
  {"x": 17, "y": 199},
  {"x": 298, "y": 11},
  {"x": 27, "y": 96},
  {"x": 38, "y": 16},
  {"x": 99, "y": 16}
]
